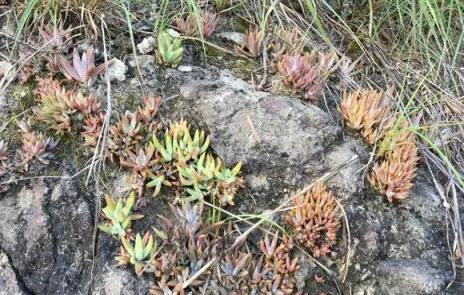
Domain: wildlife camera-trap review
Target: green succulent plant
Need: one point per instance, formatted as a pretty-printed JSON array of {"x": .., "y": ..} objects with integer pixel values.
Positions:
[
  {"x": 157, "y": 181},
  {"x": 119, "y": 215},
  {"x": 208, "y": 176},
  {"x": 178, "y": 143},
  {"x": 137, "y": 253},
  {"x": 169, "y": 49}
]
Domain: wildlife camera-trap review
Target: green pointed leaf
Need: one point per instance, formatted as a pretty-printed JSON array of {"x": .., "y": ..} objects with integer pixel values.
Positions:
[
  {"x": 138, "y": 248},
  {"x": 129, "y": 203},
  {"x": 105, "y": 228},
  {"x": 127, "y": 245},
  {"x": 148, "y": 247}
]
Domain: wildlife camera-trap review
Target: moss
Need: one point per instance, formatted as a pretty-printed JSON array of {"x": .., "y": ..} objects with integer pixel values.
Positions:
[
  {"x": 24, "y": 95},
  {"x": 127, "y": 102}
]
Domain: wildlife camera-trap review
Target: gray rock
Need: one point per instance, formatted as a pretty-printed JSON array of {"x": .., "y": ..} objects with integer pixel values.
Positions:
[
  {"x": 410, "y": 277},
  {"x": 236, "y": 37},
  {"x": 147, "y": 66},
  {"x": 280, "y": 140},
  {"x": 9, "y": 284},
  {"x": 147, "y": 45},
  {"x": 48, "y": 235},
  {"x": 24, "y": 235},
  {"x": 116, "y": 71},
  {"x": 119, "y": 281}
]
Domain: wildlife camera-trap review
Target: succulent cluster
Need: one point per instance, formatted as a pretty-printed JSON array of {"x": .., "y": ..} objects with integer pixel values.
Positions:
[
  {"x": 118, "y": 215},
  {"x": 393, "y": 175},
  {"x": 365, "y": 111},
  {"x": 252, "y": 43},
  {"x": 129, "y": 135},
  {"x": 198, "y": 170},
  {"x": 307, "y": 73},
  {"x": 191, "y": 26},
  {"x": 285, "y": 41},
  {"x": 315, "y": 219},
  {"x": 195, "y": 247},
  {"x": 170, "y": 49},
  {"x": 368, "y": 112},
  {"x": 62, "y": 109},
  {"x": 35, "y": 147},
  {"x": 299, "y": 72}
]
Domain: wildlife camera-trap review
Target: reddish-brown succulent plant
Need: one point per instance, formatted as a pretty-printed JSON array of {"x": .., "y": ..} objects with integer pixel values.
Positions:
[
  {"x": 188, "y": 26},
  {"x": 315, "y": 219},
  {"x": 92, "y": 129},
  {"x": 253, "y": 42},
  {"x": 209, "y": 22},
  {"x": 300, "y": 72},
  {"x": 35, "y": 147},
  {"x": 393, "y": 175},
  {"x": 149, "y": 109},
  {"x": 285, "y": 41},
  {"x": 55, "y": 36},
  {"x": 54, "y": 106},
  {"x": 364, "y": 111},
  {"x": 85, "y": 104}
]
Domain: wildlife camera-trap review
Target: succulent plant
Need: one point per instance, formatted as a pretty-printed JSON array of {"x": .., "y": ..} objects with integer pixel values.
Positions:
[
  {"x": 188, "y": 26},
  {"x": 54, "y": 107},
  {"x": 364, "y": 111},
  {"x": 252, "y": 43},
  {"x": 301, "y": 73},
  {"x": 57, "y": 106},
  {"x": 345, "y": 70},
  {"x": 208, "y": 176},
  {"x": 118, "y": 215},
  {"x": 137, "y": 253},
  {"x": 327, "y": 63},
  {"x": 55, "y": 36},
  {"x": 157, "y": 181},
  {"x": 285, "y": 41},
  {"x": 125, "y": 135},
  {"x": 81, "y": 69},
  {"x": 228, "y": 182},
  {"x": 85, "y": 104},
  {"x": 34, "y": 146},
  {"x": 209, "y": 22},
  {"x": 315, "y": 218},
  {"x": 192, "y": 244},
  {"x": 141, "y": 162},
  {"x": 393, "y": 176},
  {"x": 147, "y": 112},
  {"x": 92, "y": 129},
  {"x": 170, "y": 49},
  {"x": 178, "y": 143}
]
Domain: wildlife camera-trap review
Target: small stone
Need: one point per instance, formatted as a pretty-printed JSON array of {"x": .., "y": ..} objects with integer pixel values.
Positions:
[
  {"x": 235, "y": 37},
  {"x": 117, "y": 70},
  {"x": 147, "y": 45},
  {"x": 184, "y": 68},
  {"x": 6, "y": 70}
]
